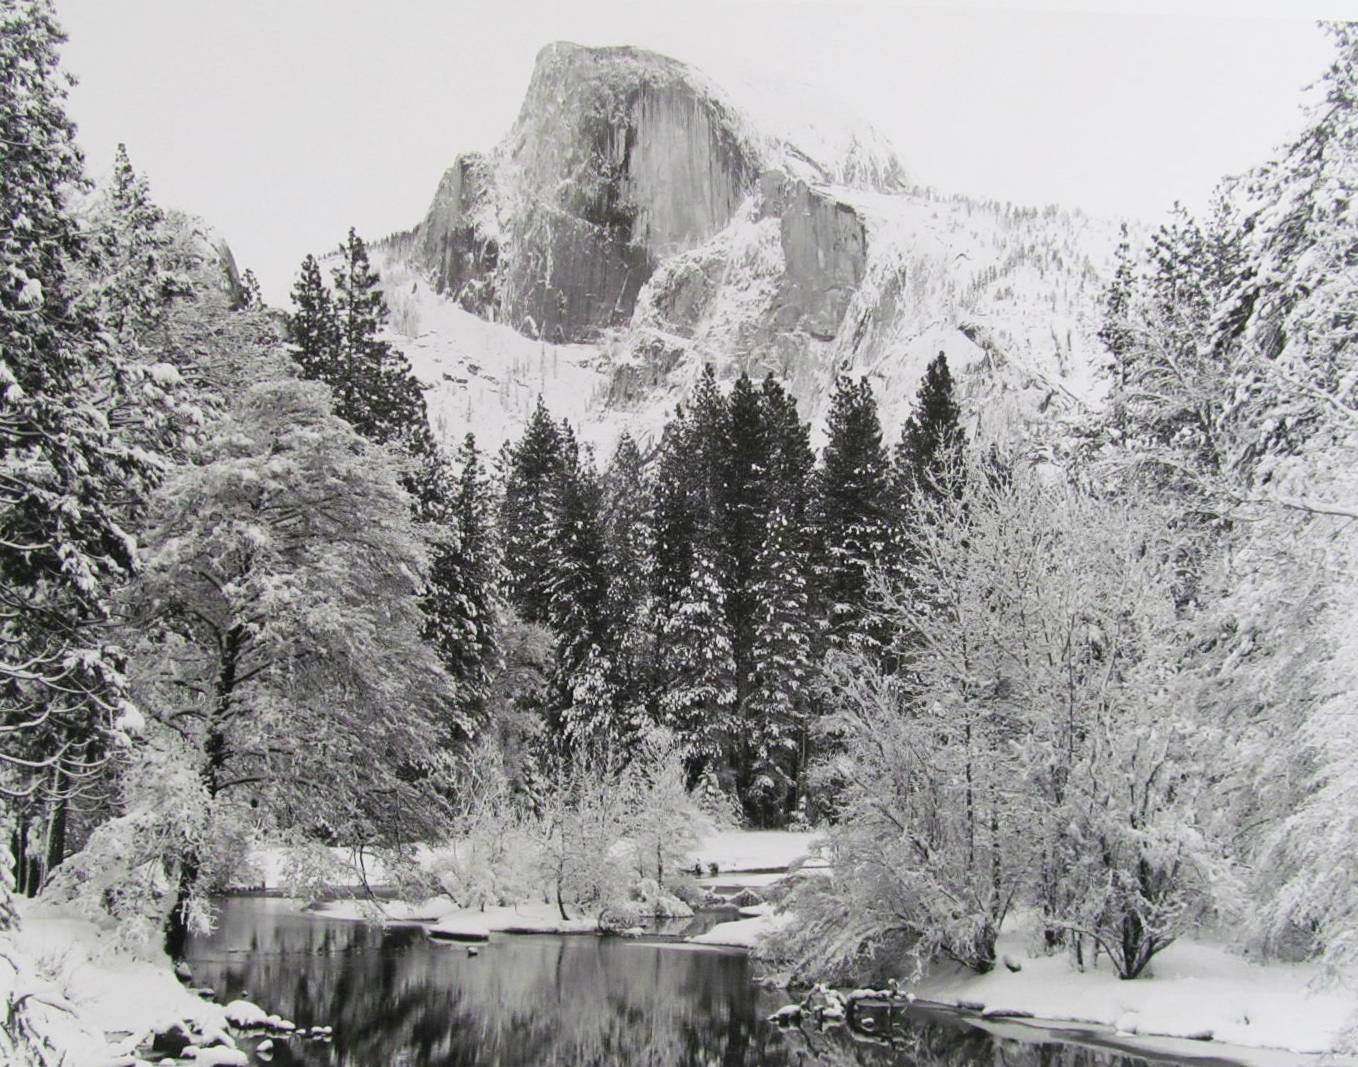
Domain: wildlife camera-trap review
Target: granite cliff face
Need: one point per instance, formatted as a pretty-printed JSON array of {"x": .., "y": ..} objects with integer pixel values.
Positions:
[
  {"x": 619, "y": 159},
  {"x": 636, "y": 209}
]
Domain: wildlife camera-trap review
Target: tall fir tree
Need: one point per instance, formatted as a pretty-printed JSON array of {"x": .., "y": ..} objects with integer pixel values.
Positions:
[
  {"x": 697, "y": 698},
  {"x": 626, "y": 518},
  {"x": 583, "y": 706},
  {"x": 313, "y": 326},
  {"x": 133, "y": 269},
  {"x": 851, "y": 509},
  {"x": 66, "y": 475},
  {"x": 674, "y": 518},
  {"x": 742, "y": 516},
  {"x": 534, "y": 463},
  {"x": 929, "y": 454},
  {"x": 775, "y": 712},
  {"x": 781, "y": 704},
  {"x": 376, "y": 393},
  {"x": 470, "y": 650}
]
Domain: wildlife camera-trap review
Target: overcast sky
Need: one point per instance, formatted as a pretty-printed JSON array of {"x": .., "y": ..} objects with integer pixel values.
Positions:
[{"x": 285, "y": 121}]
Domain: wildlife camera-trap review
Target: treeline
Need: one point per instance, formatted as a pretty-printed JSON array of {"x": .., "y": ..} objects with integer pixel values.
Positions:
[
  {"x": 228, "y": 610},
  {"x": 1120, "y": 694},
  {"x": 701, "y": 588}
]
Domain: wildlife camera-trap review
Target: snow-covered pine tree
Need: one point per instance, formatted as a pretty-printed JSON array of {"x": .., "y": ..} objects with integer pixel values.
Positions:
[
  {"x": 313, "y": 325},
  {"x": 134, "y": 270},
  {"x": 470, "y": 650},
  {"x": 793, "y": 464},
  {"x": 674, "y": 518},
  {"x": 708, "y": 423},
  {"x": 851, "y": 509},
  {"x": 67, "y": 479},
  {"x": 697, "y": 671},
  {"x": 742, "y": 516},
  {"x": 1117, "y": 330},
  {"x": 928, "y": 457},
  {"x": 775, "y": 711},
  {"x": 582, "y": 713},
  {"x": 626, "y": 518},
  {"x": 534, "y": 463}
]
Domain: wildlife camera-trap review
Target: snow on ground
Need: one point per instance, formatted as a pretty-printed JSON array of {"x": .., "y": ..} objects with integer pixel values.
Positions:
[
  {"x": 485, "y": 378},
  {"x": 366, "y": 909},
  {"x": 743, "y": 933},
  {"x": 446, "y": 919},
  {"x": 111, "y": 992},
  {"x": 753, "y": 850},
  {"x": 1195, "y": 990},
  {"x": 536, "y": 917},
  {"x": 771, "y": 851}
]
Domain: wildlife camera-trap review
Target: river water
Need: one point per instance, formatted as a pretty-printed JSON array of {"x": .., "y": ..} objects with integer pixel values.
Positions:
[{"x": 397, "y": 999}]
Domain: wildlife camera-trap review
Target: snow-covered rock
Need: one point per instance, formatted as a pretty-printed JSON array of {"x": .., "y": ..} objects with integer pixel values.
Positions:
[
  {"x": 244, "y": 1014},
  {"x": 743, "y": 933},
  {"x": 220, "y": 1056},
  {"x": 459, "y": 927},
  {"x": 638, "y": 222}
]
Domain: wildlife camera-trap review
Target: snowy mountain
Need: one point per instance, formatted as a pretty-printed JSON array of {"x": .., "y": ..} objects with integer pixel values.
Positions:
[{"x": 638, "y": 221}]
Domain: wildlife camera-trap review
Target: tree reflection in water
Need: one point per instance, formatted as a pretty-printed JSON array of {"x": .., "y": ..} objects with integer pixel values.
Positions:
[{"x": 394, "y": 997}]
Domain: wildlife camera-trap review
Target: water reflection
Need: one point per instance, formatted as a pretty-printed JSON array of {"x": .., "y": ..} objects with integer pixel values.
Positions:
[{"x": 395, "y": 997}]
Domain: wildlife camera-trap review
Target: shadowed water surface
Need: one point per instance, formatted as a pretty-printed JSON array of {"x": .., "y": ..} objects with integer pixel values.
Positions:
[{"x": 394, "y": 997}]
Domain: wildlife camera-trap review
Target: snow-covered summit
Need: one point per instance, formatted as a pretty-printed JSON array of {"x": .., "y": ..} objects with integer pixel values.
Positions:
[{"x": 638, "y": 221}]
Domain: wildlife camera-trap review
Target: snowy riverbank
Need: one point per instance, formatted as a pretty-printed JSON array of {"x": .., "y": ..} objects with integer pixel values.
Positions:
[
  {"x": 93, "y": 1003},
  {"x": 1195, "y": 990}
]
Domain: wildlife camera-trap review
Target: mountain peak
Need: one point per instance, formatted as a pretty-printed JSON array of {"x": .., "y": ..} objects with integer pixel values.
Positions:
[{"x": 666, "y": 223}]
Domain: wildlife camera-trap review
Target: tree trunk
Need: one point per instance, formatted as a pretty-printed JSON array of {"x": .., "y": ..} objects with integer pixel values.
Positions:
[
  {"x": 177, "y": 925},
  {"x": 56, "y": 826},
  {"x": 19, "y": 849}
]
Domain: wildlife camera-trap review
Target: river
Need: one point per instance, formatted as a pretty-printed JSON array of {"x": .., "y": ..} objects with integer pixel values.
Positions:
[{"x": 397, "y": 999}]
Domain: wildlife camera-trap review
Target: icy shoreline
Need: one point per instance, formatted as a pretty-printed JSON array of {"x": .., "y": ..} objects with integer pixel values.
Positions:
[{"x": 1200, "y": 1002}]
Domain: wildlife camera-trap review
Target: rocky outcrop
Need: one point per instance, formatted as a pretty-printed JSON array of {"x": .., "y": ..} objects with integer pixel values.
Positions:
[
  {"x": 824, "y": 255},
  {"x": 632, "y": 205},
  {"x": 619, "y": 160},
  {"x": 449, "y": 246}
]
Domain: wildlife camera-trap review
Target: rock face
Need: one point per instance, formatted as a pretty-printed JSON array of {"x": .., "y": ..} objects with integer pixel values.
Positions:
[
  {"x": 825, "y": 248},
  {"x": 619, "y": 159},
  {"x": 634, "y": 207}
]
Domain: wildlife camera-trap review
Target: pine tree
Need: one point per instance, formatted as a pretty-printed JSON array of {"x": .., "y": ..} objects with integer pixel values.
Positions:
[
  {"x": 929, "y": 454},
  {"x": 376, "y": 391},
  {"x": 782, "y": 706},
  {"x": 584, "y": 704},
  {"x": 68, "y": 477},
  {"x": 313, "y": 326},
  {"x": 776, "y": 709},
  {"x": 133, "y": 269},
  {"x": 707, "y": 440},
  {"x": 695, "y": 662},
  {"x": 743, "y": 516},
  {"x": 1116, "y": 330},
  {"x": 851, "y": 509},
  {"x": 626, "y": 518},
  {"x": 674, "y": 518},
  {"x": 534, "y": 464},
  {"x": 469, "y": 644}
]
